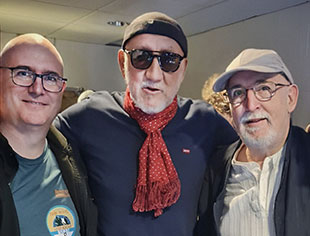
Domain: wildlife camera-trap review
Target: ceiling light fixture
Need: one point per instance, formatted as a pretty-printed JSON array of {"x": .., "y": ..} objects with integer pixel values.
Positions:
[{"x": 117, "y": 23}]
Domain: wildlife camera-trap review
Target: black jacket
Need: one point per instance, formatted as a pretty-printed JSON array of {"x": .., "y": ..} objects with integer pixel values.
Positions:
[
  {"x": 73, "y": 173},
  {"x": 292, "y": 204}
]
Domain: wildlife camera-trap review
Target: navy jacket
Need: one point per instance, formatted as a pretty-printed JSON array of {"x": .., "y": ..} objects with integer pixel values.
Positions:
[{"x": 109, "y": 141}]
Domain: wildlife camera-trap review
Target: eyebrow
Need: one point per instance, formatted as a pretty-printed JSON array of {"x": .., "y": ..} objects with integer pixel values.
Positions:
[
  {"x": 29, "y": 68},
  {"x": 23, "y": 67},
  {"x": 256, "y": 82}
]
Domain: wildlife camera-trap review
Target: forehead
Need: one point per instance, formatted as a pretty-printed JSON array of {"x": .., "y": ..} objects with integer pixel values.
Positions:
[
  {"x": 248, "y": 78},
  {"x": 154, "y": 42},
  {"x": 37, "y": 57}
]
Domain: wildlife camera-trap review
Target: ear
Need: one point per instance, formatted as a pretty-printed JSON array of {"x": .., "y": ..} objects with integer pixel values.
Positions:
[
  {"x": 185, "y": 63},
  {"x": 64, "y": 87},
  {"x": 292, "y": 97},
  {"x": 183, "y": 67},
  {"x": 121, "y": 61}
]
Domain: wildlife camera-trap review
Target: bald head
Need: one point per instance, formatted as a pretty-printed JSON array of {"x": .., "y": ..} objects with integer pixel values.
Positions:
[
  {"x": 28, "y": 40},
  {"x": 26, "y": 99}
]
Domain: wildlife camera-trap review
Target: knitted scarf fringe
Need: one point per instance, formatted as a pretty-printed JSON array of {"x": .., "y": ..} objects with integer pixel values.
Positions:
[{"x": 157, "y": 196}]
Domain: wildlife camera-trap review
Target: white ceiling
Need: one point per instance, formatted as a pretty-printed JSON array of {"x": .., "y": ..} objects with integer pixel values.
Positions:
[{"x": 86, "y": 21}]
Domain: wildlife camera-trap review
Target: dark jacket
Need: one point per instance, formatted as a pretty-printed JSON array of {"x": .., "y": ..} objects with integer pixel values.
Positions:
[
  {"x": 292, "y": 204},
  {"x": 109, "y": 142},
  {"x": 73, "y": 173}
]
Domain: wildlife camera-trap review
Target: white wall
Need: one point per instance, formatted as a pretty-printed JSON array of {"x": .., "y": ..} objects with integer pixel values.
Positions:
[
  {"x": 286, "y": 31},
  {"x": 90, "y": 66},
  {"x": 5, "y": 37}
]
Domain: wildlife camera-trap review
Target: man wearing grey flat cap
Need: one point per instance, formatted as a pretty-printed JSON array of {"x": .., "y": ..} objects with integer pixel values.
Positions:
[
  {"x": 146, "y": 149},
  {"x": 259, "y": 185}
]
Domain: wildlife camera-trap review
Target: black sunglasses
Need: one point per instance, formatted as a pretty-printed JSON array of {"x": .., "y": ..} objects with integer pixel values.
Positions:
[{"x": 142, "y": 59}]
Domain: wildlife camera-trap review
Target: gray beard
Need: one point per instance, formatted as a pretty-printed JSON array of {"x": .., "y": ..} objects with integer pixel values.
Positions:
[
  {"x": 147, "y": 109},
  {"x": 260, "y": 143}
]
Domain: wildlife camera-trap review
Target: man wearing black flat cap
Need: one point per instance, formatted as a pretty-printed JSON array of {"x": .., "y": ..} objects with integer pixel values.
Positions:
[{"x": 146, "y": 148}]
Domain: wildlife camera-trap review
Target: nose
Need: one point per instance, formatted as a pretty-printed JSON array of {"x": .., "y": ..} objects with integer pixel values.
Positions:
[
  {"x": 154, "y": 72},
  {"x": 36, "y": 89},
  {"x": 252, "y": 103}
]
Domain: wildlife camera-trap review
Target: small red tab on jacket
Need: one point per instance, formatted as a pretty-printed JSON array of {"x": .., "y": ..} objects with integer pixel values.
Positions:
[{"x": 186, "y": 151}]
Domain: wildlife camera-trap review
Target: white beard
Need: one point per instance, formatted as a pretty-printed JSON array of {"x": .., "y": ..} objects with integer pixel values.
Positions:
[{"x": 247, "y": 133}]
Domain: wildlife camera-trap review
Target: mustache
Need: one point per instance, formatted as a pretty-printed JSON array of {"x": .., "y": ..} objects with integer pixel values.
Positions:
[
  {"x": 248, "y": 116},
  {"x": 146, "y": 84}
]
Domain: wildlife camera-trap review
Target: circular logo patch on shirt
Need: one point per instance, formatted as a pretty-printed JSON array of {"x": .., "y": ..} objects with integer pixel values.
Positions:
[{"x": 60, "y": 221}]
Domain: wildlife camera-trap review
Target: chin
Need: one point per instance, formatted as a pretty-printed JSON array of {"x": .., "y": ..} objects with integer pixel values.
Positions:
[
  {"x": 263, "y": 141},
  {"x": 150, "y": 107},
  {"x": 36, "y": 124},
  {"x": 36, "y": 121}
]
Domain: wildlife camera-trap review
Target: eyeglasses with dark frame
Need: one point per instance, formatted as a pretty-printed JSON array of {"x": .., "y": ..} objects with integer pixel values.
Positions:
[
  {"x": 24, "y": 77},
  {"x": 143, "y": 59},
  {"x": 263, "y": 91}
]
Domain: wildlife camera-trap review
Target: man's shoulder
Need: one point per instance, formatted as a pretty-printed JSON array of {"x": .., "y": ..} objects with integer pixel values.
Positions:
[
  {"x": 225, "y": 152},
  {"x": 229, "y": 148},
  {"x": 298, "y": 146},
  {"x": 298, "y": 138},
  {"x": 56, "y": 138},
  {"x": 62, "y": 149},
  {"x": 101, "y": 106},
  {"x": 101, "y": 101},
  {"x": 195, "y": 106},
  {"x": 297, "y": 132},
  {"x": 199, "y": 111},
  {"x": 105, "y": 98},
  {"x": 8, "y": 164},
  {"x": 203, "y": 120}
]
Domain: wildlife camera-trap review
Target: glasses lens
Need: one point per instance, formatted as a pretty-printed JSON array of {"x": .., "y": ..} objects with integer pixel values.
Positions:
[
  {"x": 22, "y": 77},
  {"x": 263, "y": 91},
  {"x": 170, "y": 61},
  {"x": 52, "y": 82},
  {"x": 236, "y": 95},
  {"x": 141, "y": 59}
]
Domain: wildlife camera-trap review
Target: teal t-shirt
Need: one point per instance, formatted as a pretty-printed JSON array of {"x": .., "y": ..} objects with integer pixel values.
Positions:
[{"x": 42, "y": 201}]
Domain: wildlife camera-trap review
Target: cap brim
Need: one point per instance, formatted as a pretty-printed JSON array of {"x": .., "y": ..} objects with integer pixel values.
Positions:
[{"x": 221, "y": 81}]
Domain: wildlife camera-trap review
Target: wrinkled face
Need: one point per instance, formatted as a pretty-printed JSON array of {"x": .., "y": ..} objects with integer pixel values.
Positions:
[
  {"x": 263, "y": 124},
  {"x": 29, "y": 106},
  {"x": 152, "y": 89}
]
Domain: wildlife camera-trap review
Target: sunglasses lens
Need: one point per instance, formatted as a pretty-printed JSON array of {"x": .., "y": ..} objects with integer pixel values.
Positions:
[
  {"x": 170, "y": 61},
  {"x": 141, "y": 59}
]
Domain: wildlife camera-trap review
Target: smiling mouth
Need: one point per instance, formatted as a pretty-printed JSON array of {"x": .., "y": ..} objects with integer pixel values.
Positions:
[
  {"x": 254, "y": 121},
  {"x": 35, "y": 103}
]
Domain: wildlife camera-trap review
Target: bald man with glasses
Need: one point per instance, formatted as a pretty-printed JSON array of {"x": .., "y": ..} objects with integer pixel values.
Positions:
[
  {"x": 146, "y": 148},
  {"x": 259, "y": 185},
  {"x": 43, "y": 184}
]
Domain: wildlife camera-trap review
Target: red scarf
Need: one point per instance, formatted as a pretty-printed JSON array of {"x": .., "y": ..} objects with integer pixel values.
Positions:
[{"x": 158, "y": 185}]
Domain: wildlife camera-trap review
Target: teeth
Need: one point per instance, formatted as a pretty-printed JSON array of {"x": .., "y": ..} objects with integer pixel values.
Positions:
[{"x": 36, "y": 103}]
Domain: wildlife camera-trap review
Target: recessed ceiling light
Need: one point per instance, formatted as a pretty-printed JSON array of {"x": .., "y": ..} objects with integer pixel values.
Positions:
[{"x": 117, "y": 23}]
